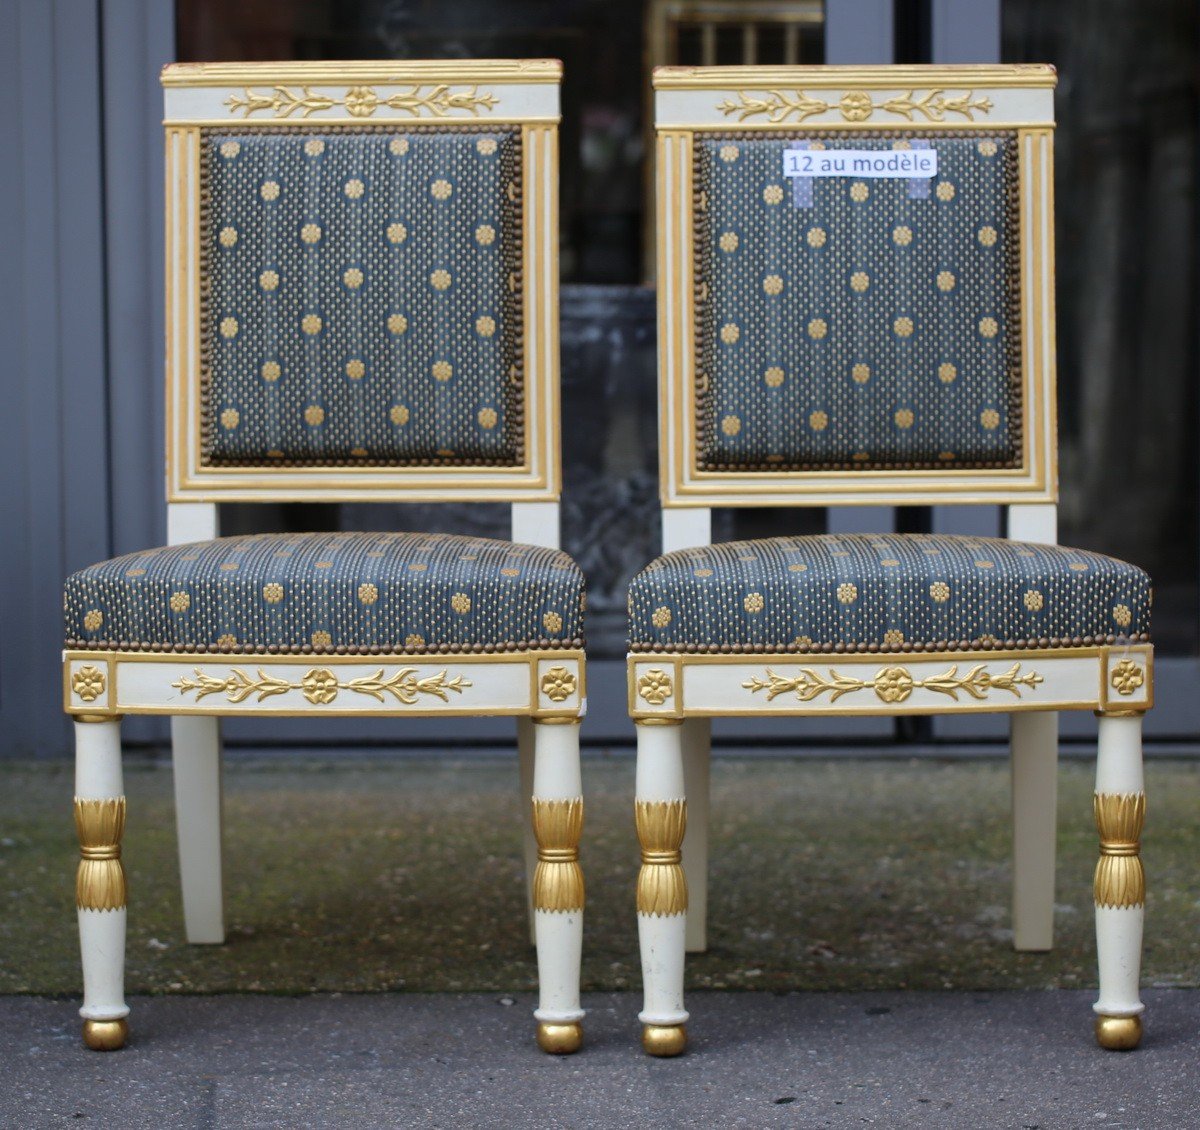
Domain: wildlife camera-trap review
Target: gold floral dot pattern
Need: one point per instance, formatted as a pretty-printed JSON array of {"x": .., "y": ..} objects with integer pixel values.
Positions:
[
  {"x": 917, "y": 284},
  {"x": 358, "y": 591},
  {"x": 905, "y": 592},
  {"x": 351, "y": 261}
]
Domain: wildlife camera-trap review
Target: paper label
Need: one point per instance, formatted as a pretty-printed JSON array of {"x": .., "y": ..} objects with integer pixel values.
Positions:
[{"x": 898, "y": 164}]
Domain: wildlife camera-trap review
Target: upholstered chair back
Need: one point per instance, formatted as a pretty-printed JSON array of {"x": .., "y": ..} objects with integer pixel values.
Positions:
[
  {"x": 854, "y": 272},
  {"x": 363, "y": 270},
  {"x": 857, "y": 322},
  {"x": 363, "y": 296}
]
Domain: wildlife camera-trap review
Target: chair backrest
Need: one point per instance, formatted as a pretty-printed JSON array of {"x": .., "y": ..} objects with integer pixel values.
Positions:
[
  {"x": 362, "y": 277},
  {"x": 856, "y": 285}
]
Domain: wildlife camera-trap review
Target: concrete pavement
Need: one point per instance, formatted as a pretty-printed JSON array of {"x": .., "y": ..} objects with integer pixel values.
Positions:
[{"x": 896, "y": 1059}]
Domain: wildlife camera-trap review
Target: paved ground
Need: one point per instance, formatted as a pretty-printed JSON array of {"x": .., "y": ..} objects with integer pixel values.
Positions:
[{"x": 1023, "y": 1060}]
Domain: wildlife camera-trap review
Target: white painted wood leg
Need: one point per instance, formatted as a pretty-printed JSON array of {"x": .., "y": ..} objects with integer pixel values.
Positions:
[
  {"x": 1120, "y": 884},
  {"x": 1034, "y": 738},
  {"x": 558, "y": 894},
  {"x": 525, "y": 766},
  {"x": 662, "y": 892},
  {"x": 100, "y": 890},
  {"x": 697, "y": 748},
  {"x": 196, "y": 753}
]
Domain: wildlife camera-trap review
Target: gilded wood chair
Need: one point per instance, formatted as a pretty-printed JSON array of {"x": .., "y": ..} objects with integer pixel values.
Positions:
[
  {"x": 361, "y": 305},
  {"x": 881, "y": 334}
]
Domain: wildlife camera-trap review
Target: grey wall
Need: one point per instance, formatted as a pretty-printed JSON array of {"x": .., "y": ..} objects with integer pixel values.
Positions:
[{"x": 80, "y": 228}]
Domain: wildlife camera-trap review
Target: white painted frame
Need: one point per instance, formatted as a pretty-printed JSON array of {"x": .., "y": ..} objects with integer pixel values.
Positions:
[{"x": 494, "y": 92}]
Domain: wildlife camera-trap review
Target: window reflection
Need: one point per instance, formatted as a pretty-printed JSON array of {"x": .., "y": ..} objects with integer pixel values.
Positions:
[{"x": 1127, "y": 289}]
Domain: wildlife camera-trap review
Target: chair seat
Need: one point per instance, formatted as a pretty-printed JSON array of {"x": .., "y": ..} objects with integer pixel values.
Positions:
[
  {"x": 341, "y": 592},
  {"x": 895, "y": 592}
]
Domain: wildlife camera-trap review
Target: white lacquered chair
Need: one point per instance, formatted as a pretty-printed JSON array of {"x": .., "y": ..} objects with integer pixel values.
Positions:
[
  {"x": 877, "y": 330},
  {"x": 362, "y": 279}
]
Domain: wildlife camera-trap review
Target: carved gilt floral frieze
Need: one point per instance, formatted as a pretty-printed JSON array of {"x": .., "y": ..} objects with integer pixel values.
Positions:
[
  {"x": 321, "y": 686},
  {"x": 894, "y": 684},
  {"x": 856, "y": 105},
  {"x": 362, "y": 101}
]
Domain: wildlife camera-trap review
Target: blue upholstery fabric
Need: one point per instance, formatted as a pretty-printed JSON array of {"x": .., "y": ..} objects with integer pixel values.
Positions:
[
  {"x": 350, "y": 592},
  {"x": 363, "y": 300},
  {"x": 855, "y": 323},
  {"x": 897, "y": 592}
]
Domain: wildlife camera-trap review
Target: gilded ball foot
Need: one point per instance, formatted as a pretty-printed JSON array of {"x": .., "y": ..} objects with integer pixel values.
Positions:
[
  {"x": 664, "y": 1039},
  {"x": 1119, "y": 1033},
  {"x": 560, "y": 1039},
  {"x": 105, "y": 1035}
]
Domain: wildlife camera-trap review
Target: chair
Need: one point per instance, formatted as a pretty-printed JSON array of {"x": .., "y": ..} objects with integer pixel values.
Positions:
[
  {"x": 361, "y": 306},
  {"x": 877, "y": 330}
]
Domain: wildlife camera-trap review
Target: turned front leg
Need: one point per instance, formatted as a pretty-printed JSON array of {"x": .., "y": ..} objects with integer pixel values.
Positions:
[
  {"x": 558, "y": 894},
  {"x": 100, "y": 888},
  {"x": 1120, "y": 883},
  {"x": 662, "y": 894}
]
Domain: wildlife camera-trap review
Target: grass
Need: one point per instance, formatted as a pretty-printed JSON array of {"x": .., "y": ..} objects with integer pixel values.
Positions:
[{"x": 406, "y": 875}]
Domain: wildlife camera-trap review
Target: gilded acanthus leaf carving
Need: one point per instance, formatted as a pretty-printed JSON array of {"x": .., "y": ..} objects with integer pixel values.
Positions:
[
  {"x": 894, "y": 684},
  {"x": 361, "y": 101},
  {"x": 320, "y": 685}
]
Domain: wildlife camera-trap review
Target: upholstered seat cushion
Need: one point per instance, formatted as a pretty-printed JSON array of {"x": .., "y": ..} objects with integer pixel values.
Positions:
[
  {"x": 900, "y": 592},
  {"x": 345, "y": 592}
]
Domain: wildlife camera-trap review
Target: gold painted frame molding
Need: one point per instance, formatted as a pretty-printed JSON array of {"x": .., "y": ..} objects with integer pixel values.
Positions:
[
  {"x": 675, "y": 686},
  {"x": 416, "y": 95},
  {"x": 538, "y": 684},
  {"x": 915, "y": 99}
]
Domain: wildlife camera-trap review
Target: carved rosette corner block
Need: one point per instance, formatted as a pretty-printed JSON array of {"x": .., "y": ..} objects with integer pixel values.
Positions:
[
  {"x": 558, "y": 684},
  {"x": 89, "y": 682},
  {"x": 1120, "y": 878},
  {"x": 655, "y": 686},
  {"x": 558, "y": 878},
  {"x": 1127, "y": 677},
  {"x": 100, "y": 881},
  {"x": 662, "y": 886}
]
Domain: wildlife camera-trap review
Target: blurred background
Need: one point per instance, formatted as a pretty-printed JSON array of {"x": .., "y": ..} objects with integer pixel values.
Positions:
[{"x": 81, "y": 299}]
